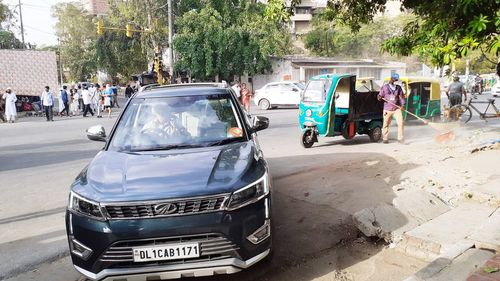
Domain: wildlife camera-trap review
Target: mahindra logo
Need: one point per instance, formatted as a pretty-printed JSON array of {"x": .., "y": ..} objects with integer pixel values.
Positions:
[{"x": 165, "y": 208}]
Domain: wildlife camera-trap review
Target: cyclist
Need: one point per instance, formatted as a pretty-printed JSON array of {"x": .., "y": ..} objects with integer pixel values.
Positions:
[
  {"x": 455, "y": 91},
  {"x": 478, "y": 84}
]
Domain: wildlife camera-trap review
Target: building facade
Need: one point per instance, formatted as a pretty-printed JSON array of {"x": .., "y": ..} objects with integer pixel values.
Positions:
[
  {"x": 301, "y": 21},
  {"x": 295, "y": 68},
  {"x": 96, "y": 7}
]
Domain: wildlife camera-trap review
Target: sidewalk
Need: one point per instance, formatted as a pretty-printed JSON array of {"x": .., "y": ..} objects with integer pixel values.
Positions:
[{"x": 490, "y": 271}]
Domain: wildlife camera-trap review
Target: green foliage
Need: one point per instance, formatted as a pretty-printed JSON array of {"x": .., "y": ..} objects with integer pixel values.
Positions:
[
  {"x": 335, "y": 39},
  {"x": 444, "y": 30},
  {"x": 76, "y": 33},
  {"x": 9, "y": 41},
  {"x": 227, "y": 38}
]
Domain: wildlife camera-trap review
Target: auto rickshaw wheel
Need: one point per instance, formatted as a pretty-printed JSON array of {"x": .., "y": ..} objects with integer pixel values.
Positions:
[
  {"x": 348, "y": 130},
  {"x": 307, "y": 139},
  {"x": 264, "y": 104},
  {"x": 375, "y": 134}
]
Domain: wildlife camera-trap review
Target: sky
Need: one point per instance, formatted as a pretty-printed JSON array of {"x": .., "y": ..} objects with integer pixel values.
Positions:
[{"x": 38, "y": 21}]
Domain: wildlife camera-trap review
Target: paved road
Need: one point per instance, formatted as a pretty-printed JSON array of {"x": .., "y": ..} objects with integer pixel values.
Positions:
[{"x": 316, "y": 192}]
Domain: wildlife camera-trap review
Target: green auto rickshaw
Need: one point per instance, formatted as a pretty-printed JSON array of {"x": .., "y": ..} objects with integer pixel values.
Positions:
[{"x": 338, "y": 104}]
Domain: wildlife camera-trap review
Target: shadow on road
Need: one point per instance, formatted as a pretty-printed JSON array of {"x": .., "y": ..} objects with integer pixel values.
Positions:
[
  {"x": 37, "y": 159},
  {"x": 313, "y": 209}
]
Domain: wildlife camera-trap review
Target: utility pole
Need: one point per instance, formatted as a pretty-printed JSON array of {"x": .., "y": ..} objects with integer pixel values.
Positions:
[
  {"x": 170, "y": 47},
  {"x": 60, "y": 62},
  {"x": 21, "y": 19}
]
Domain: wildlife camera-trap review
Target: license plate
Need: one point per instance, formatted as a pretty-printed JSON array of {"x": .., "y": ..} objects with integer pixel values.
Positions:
[{"x": 167, "y": 252}]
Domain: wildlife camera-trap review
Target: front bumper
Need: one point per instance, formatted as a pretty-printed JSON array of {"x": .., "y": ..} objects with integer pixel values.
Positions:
[
  {"x": 232, "y": 227},
  {"x": 226, "y": 266}
]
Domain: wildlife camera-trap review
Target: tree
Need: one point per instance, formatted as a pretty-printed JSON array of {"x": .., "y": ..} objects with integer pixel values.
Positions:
[
  {"x": 444, "y": 30},
  {"x": 328, "y": 38},
  {"x": 7, "y": 38},
  {"x": 227, "y": 38},
  {"x": 121, "y": 56},
  {"x": 76, "y": 33}
]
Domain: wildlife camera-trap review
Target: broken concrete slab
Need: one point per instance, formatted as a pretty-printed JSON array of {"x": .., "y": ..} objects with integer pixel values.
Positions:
[
  {"x": 379, "y": 221},
  {"x": 409, "y": 210},
  {"x": 434, "y": 238},
  {"x": 488, "y": 235}
]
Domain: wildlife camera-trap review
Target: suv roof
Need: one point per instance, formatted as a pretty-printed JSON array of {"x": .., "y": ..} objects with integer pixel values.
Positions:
[{"x": 183, "y": 90}]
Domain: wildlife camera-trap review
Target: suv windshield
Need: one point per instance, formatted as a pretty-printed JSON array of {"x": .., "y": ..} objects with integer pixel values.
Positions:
[
  {"x": 177, "y": 122},
  {"x": 317, "y": 90}
]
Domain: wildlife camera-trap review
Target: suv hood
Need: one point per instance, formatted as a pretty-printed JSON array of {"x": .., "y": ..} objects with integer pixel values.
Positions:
[{"x": 117, "y": 176}]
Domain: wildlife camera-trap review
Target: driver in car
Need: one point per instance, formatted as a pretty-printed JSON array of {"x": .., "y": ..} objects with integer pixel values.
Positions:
[{"x": 164, "y": 124}]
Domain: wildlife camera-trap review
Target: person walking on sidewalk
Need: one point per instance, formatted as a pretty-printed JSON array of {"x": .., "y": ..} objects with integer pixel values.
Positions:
[
  {"x": 87, "y": 100},
  {"x": 48, "y": 103},
  {"x": 394, "y": 101},
  {"x": 65, "y": 101},
  {"x": 10, "y": 105}
]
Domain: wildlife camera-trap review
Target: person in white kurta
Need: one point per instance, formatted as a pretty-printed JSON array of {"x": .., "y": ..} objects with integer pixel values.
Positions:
[{"x": 10, "y": 105}]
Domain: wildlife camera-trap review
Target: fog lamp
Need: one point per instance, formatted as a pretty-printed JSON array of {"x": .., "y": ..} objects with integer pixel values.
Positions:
[
  {"x": 79, "y": 249},
  {"x": 261, "y": 234}
]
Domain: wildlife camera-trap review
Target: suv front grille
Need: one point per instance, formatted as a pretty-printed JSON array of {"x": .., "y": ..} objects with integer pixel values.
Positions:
[
  {"x": 212, "y": 247},
  {"x": 165, "y": 208}
]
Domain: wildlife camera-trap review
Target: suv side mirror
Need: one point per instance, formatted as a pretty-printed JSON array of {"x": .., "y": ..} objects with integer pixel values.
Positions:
[
  {"x": 295, "y": 89},
  {"x": 96, "y": 133},
  {"x": 260, "y": 123}
]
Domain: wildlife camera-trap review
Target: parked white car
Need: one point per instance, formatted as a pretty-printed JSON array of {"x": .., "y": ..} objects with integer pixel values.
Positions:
[
  {"x": 495, "y": 90},
  {"x": 286, "y": 93}
]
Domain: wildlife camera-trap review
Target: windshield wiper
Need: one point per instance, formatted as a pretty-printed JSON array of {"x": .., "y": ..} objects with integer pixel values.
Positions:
[
  {"x": 166, "y": 147},
  {"x": 225, "y": 141}
]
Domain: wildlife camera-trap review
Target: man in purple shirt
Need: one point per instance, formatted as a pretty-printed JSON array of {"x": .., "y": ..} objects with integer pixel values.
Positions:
[{"x": 394, "y": 101}]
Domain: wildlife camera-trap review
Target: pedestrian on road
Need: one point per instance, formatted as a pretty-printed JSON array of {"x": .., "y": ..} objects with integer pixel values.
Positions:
[
  {"x": 74, "y": 102},
  {"x": 114, "y": 99},
  {"x": 65, "y": 101},
  {"x": 455, "y": 91},
  {"x": 87, "y": 100},
  {"x": 246, "y": 97},
  {"x": 10, "y": 105},
  {"x": 80, "y": 98},
  {"x": 93, "y": 94},
  {"x": 129, "y": 91},
  {"x": 108, "y": 96},
  {"x": 47, "y": 103},
  {"x": 394, "y": 101}
]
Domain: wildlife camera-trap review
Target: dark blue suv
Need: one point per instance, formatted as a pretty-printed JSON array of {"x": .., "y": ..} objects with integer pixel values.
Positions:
[{"x": 180, "y": 189}]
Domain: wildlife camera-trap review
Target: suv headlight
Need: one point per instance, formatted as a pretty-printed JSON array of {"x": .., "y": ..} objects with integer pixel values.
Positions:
[
  {"x": 249, "y": 194},
  {"x": 84, "y": 206}
]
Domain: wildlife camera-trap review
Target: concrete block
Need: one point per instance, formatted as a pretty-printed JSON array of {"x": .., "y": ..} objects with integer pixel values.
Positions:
[
  {"x": 459, "y": 268},
  {"x": 463, "y": 265},
  {"x": 441, "y": 234},
  {"x": 379, "y": 221},
  {"x": 487, "y": 236},
  {"x": 409, "y": 210}
]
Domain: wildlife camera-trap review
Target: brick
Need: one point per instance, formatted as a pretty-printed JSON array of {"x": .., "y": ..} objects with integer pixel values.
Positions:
[{"x": 477, "y": 277}]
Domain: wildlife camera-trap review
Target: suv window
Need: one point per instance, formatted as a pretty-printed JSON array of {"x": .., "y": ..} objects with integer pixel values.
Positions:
[{"x": 156, "y": 123}]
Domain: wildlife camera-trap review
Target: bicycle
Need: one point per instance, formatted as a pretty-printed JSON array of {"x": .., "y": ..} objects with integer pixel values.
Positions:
[{"x": 463, "y": 112}]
